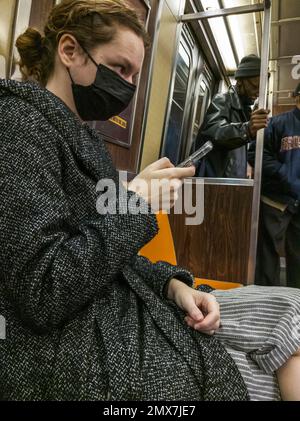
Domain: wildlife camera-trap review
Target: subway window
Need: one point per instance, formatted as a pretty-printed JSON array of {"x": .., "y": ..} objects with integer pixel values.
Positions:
[
  {"x": 203, "y": 97},
  {"x": 189, "y": 99},
  {"x": 176, "y": 118}
]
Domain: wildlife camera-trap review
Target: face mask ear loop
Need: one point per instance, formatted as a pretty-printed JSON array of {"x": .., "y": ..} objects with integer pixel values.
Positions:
[
  {"x": 89, "y": 56},
  {"x": 68, "y": 70}
]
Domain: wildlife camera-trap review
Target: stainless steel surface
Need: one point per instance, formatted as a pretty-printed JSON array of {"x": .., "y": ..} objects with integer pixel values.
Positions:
[
  {"x": 285, "y": 48},
  {"x": 222, "y": 181},
  {"x": 259, "y": 146},
  {"x": 149, "y": 82},
  {"x": 10, "y": 59},
  {"x": 206, "y": 78},
  {"x": 280, "y": 58},
  {"x": 222, "y": 12},
  {"x": 283, "y": 21},
  {"x": 257, "y": 29},
  {"x": 187, "y": 39}
]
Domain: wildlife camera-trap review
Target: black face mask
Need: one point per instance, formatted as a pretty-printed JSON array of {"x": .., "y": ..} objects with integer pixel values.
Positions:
[{"x": 108, "y": 96}]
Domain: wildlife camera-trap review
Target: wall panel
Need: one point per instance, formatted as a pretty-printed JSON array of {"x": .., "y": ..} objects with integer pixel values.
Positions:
[
  {"x": 7, "y": 24},
  {"x": 164, "y": 60},
  {"x": 219, "y": 247}
]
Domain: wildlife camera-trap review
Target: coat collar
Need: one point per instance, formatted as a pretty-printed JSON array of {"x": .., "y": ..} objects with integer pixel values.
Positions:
[
  {"x": 48, "y": 104},
  {"x": 84, "y": 140},
  {"x": 234, "y": 98}
]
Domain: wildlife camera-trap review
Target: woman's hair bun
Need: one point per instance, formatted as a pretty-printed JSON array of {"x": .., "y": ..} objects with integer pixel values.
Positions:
[{"x": 30, "y": 48}]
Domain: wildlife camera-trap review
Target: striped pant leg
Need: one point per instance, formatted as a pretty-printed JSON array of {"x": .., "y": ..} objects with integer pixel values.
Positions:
[
  {"x": 260, "y": 328},
  {"x": 261, "y": 386}
]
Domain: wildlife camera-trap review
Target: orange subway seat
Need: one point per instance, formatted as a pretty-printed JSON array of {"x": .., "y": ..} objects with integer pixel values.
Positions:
[
  {"x": 161, "y": 248},
  {"x": 216, "y": 284}
]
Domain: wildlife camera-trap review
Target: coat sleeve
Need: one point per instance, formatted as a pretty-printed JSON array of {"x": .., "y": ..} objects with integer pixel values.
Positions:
[
  {"x": 157, "y": 275},
  {"x": 251, "y": 153},
  {"x": 219, "y": 128},
  {"x": 275, "y": 172},
  {"x": 51, "y": 266}
]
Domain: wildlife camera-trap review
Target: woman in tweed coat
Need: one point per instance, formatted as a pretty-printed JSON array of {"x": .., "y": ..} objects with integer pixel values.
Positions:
[{"x": 86, "y": 317}]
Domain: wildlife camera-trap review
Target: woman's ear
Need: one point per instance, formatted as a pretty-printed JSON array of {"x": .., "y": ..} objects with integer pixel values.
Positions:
[{"x": 69, "y": 51}]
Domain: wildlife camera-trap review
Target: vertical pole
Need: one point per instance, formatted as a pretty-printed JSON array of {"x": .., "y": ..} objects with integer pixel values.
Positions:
[{"x": 259, "y": 143}]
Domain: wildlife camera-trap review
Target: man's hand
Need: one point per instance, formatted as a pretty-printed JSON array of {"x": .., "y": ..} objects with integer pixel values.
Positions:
[
  {"x": 202, "y": 309},
  {"x": 259, "y": 120}
]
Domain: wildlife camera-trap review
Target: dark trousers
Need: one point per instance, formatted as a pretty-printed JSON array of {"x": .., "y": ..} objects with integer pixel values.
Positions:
[{"x": 279, "y": 234}]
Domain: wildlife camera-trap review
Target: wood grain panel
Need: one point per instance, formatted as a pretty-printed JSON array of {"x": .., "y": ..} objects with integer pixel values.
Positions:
[
  {"x": 219, "y": 247},
  {"x": 40, "y": 10}
]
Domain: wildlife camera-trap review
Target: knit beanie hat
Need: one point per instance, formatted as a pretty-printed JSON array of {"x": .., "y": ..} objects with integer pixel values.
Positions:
[
  {"x": 248, "y": 67},
  {"x": 296, "y": 91}
]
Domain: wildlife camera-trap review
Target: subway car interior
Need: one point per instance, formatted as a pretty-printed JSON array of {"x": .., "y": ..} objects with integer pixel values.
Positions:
[
  {"x": 196, "y": 47},
  {"x": 195, "y": 50}
]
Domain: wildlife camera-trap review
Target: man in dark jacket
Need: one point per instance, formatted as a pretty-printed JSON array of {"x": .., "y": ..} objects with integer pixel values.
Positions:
[
  {"x": 280, "y": 216},
  {"x": 230, "y": 124}
]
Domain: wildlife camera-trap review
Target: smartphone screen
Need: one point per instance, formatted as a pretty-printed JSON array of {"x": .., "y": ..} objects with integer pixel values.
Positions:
[{"x": 196, "y": 156}]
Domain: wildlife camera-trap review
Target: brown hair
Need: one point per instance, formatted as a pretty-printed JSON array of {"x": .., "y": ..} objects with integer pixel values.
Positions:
[{"x": 91, "y": 22}]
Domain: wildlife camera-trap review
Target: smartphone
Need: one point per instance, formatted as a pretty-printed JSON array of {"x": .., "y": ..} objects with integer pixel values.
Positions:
[{"x": 196, "y": 156}]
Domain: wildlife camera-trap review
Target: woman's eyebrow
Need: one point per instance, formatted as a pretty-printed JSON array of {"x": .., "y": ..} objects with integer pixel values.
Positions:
[{"x": 121, "y": 59}]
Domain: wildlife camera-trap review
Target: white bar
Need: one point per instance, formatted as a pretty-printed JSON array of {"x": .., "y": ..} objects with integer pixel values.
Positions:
[
  {"x": 222, "y": 12},
  {"x": 259, "y": 145}
]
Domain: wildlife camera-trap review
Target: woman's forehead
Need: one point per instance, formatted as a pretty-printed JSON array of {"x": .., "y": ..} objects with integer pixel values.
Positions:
[{"x": 126, "y": 47}]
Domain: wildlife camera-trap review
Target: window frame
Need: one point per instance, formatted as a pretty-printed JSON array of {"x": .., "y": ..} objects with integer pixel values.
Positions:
[{"x": 198, "y": 69}]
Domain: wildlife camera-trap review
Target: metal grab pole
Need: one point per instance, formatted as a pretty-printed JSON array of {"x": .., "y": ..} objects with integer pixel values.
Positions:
[
  {"x": 222, "y": 12},
  {"x": 259, "y": 143}
]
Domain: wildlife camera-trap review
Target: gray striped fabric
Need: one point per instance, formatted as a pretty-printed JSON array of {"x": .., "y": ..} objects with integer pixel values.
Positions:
[{"x": 260, "y": 328}]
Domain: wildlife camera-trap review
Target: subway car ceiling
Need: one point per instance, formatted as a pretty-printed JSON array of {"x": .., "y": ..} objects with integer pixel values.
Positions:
[
  {"x": 240, "y": 35},
  {"x": 187, "y": 64}
]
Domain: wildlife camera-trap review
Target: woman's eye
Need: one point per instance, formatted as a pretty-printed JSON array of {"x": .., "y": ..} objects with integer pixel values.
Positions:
[{"x": 120, "y": 69}]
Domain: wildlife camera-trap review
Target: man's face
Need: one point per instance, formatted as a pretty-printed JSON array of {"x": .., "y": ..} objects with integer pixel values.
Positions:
[{"x": 250, "y": 87}]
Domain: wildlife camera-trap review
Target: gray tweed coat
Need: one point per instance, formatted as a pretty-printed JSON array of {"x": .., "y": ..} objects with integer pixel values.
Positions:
[{"x": 86, "y": 317}]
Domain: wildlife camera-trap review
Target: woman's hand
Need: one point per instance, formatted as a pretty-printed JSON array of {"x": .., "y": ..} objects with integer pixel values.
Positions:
[
  {"x": 159, "y": 183},
  {"x": 202, "y": 309}
]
